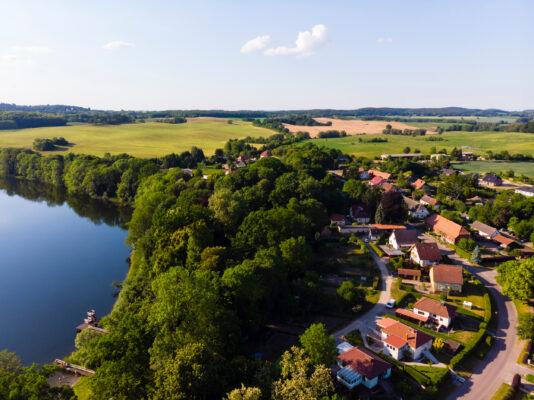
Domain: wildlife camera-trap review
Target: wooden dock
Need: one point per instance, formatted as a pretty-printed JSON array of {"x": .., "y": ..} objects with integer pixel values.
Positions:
[{"x": 73, "y": 368}]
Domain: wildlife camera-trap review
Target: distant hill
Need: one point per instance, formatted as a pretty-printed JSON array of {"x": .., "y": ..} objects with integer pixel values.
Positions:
[{"x": 48, "y": 108}]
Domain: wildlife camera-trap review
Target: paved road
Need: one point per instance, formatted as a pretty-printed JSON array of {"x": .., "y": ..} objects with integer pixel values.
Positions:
[
  {"x": 500, "y": 364},
  {"x": 369, "y": 318}
]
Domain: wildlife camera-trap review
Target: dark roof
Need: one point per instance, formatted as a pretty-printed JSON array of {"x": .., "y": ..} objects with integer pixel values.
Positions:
[
  {"x": 529, "y": 189},
  {"x": 435, "y": 307},
  {"x": 447, "y": 171},
  {"x": 492, "y": 178},
  {"x": 360, "y": 211},
  {"x": 364, "y": 362},
  {"x": 428, "y": 251},
  {"x": 406, "y": 236},
  {"x": 337, "y": 217},
  {"x": 447, "y": 274}
]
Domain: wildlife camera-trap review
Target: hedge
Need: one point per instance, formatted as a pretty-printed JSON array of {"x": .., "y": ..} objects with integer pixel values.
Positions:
[
  {"x": 379, "y": 252},
  {"x": 417, "y": 375},
  {"x": 530, "y": 378},
  {"x": 468, "y": 349}
]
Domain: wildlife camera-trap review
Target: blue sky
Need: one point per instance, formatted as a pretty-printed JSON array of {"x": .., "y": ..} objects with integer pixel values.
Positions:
[{"x": 185, "y": 55}]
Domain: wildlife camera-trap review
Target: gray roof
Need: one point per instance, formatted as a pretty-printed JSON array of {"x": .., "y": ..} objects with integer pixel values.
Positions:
[
  {"x": 529, "y": 189},
  {"x": 479, "y": 226}
]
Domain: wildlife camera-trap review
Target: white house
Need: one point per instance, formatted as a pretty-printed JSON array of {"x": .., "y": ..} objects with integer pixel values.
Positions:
[
  {"x": 337, "y": 219},
  {"x": 429, "y": 201},
  {"x": 416, "y": 209},
  {"x": 483, "y": 230},
  {"x": 360, "y": 366},
  {"x": 401, "y": 340},
  {"x": 525, "y": 190},
  {"x": 425, "y": 254},
  {"x": 439, "y": 312},
  {"x": 403, "y": 239},
  {"x": 360, "y": 213}
]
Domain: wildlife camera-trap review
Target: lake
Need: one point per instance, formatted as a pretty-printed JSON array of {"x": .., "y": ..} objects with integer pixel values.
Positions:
[{"x": 59, "y": 255}]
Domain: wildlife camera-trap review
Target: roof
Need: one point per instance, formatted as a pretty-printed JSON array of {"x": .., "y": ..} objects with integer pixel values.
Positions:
[
  {"x": 405, "y": 236},
  {"x": 447, "y": 171},
  {"x": 430, "y": 200},
  {"x": 407, "y": 313},
  {"x": 388, "y": 187},
  {"x": 418, "y": 184},
  {"x": 386, "y": 227},
  {"x": 383, "y": 175},
  {"x": 492, "y": 178},
  {"x": 395, "y": 341},
  {"x": 503, "y": 240},
  {"x": 447, "y": 274},
  {"x": 385, "y": 322},
  {"x": 414, "y": 337},
  {"x": 528, "y": 189},
  {"x": 376, "y": 181},
  {"x": 435, "y": 307},
  {"x": 360, "y": 211},
  {"x": 443, "y": 225},
  {"x": 265, "y": 153},
  {"x": 343, "y": 347},
  {"x": 479, "y": 226},
  {"x": 407, "y": 271},
  {"x": 428, "y": 251},
  {"x": 337, "y": 217},
  {"x": 411, "y": 203},
  {"x": 364, "y": 362}
]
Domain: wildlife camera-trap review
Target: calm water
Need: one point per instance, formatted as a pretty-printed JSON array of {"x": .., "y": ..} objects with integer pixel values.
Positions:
[{"x": 58, "y": 258}]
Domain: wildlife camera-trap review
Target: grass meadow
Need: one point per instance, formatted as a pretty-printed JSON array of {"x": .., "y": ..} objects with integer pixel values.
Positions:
[
  {"x": 150, "y": 139},
  {"x": 525, "y": 168}
]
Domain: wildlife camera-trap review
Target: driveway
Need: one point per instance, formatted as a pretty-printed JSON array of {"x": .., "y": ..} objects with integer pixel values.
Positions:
[
  {"x": 363, "y": 322},
  {"x": 499, "y": 365}
]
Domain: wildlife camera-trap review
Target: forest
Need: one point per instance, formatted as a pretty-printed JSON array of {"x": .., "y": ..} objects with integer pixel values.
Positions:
[{"x": 20, "y": 120}]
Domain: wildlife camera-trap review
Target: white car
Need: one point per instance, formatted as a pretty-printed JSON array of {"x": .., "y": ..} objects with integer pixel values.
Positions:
[{"x": 390, "y": 304}]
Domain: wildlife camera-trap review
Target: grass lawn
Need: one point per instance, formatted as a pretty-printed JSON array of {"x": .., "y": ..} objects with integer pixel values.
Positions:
[
  {"x": 519, "y": 167},
  {"x": 462, "y": 336},
  {"x": 150, "y": 139},
  {"x": 470, "y": 292},
  {"x": 82, "y": 390},
  {"x": 502, "y": 391},
  {"x": 514, "y": 142}
]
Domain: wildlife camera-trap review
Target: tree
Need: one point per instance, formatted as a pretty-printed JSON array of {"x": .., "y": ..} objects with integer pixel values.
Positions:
[
  {"x": 525, "y": 326},
  {"x": 438, "y": 344},
  {"x": 380, "y": 216},
  {"x": 476, "y": 258},
  {"x": 9, "y": 362},
  {"x": 406, "y": 150},
  {"x": 300, "y": 379},
  {"x": 517, "y": 279},
  {"x": 229, "y": 209},
  {"x": 296, "y": 254},
  {"x": 319, "y": 345},
  {"x": 244, "y": 393},
  {"x": 351, "y": 294},
  {"x": 393, "y": 206}
]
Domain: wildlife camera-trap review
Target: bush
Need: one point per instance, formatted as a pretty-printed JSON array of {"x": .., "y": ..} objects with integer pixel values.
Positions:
[
  {"x": 530, "y": 378},
  {"x": 354, "y": 338},
  {"x": 516, "y": 381},
  {"x": 377, "y": 250},
  {"x": 489, "y": 341},
  {"x": 524, "y": 360},
  {"x": 528, "y": 349}
]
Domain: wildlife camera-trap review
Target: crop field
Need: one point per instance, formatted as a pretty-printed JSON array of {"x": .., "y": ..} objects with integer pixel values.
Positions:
[
  {"x": 351, "y": 126},
  {"x": 477, "y": 142},
  {"x": 150, "y": 139},
  {"x": 519, "y": 167}
]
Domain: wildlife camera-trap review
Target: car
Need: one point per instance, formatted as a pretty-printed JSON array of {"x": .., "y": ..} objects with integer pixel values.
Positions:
[{"x": 390, "y": 303}]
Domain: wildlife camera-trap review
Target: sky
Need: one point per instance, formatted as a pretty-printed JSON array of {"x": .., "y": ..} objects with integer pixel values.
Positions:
[{"x": 269, "y": 55}]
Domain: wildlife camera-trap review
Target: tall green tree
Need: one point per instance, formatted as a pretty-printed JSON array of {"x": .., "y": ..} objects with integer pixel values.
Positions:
[{"x": 319, "y": 345}]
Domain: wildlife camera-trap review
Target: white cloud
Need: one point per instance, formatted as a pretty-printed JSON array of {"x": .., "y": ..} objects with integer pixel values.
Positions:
[
  {"x": 256, "y": 44},
  {"x": 306, "y": 44},
  {"x": 11, "y": 59},
  {"x": 384, "y": 40},
  {"x": 117, "y": 44},
  {"x": 33, "y": 49}
]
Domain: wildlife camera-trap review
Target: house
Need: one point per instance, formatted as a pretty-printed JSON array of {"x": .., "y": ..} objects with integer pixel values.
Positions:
[
  {"x": 384, "y": 175},
  {"x": 439, "y": 312},
  {"x": 425, "y": 254},
  {"x": 525, "y": 191},
  {"x": 447, "y": 171},
  {"x": 360, "y": 213},
  {"x": 503, "y": 240},
  {"x": 388, "y": 187},
  {"x": 403, "y": 239},
  {"x": 360, "y": 366},
  {"x": 419, "y": 184},
  {"x": 446, "y": 278},
  {"x": 490, "y": 180},
  {"x": 337, "y": 219},
  {"x": 400, "y": 155},
  {"x": 376, "y": 181},
  {"x": 483, "y": 230},
  {"x": 416, "y": 209},
  {"x": 468, "y": 155},
  {"x": 449, "y": 231},
  {"x": 364, "y": 175},
  {"x": 265, "y": 154},
  {"x": 401, "y": 340},
  {"x": 476, "y": 201},
  {"x": 406, "y": 273},
  {"x": 429, "y": 201},
  {"x": 242, "y": 159},
  {"x": 437, "y": 156}
]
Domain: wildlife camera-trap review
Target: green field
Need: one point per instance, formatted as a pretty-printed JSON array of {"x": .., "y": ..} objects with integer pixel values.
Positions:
[
  {"x": 525, "y": 168},
  {"x": 480, "y": 142},
  {"x": 149, "y": 139}
]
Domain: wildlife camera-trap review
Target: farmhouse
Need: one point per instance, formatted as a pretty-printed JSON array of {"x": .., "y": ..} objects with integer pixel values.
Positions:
[
  {"x": 446, "y": 278},
  {"x": 525, "y": 191},
  {"x": 419, "y": 184},
  {"x": 360, "y": 213},
  {"x": 401, "y": 340},
  {"x": 449, "y": 231},
  {"x": 429, "y": 201},
  {"x": 337, "y": 219},
  {"x": 415, "y": 209},
  {"x": 440, "y": 312},
  {"x": 383, "y": 175},
  {"x": 483, "y": 230},
  {"x": 490, "y": 180},
  {"x": 360, "y": 366},
  {"x": 376, "y": 181},
  {"x": 425, "y": 254},
  {"x": 403, "y": 239}
]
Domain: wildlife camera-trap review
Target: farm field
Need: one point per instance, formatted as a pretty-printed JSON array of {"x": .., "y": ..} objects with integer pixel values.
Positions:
[
  {"x": 525, "y": 168},
  {"x": 477, "y": 142},
  {"x": 150, "y": 139},
  {"x": 351, "y": 126}
]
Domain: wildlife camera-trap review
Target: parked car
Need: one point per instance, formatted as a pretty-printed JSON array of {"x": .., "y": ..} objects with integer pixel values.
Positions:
[{"x": 390, "y": 303}]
